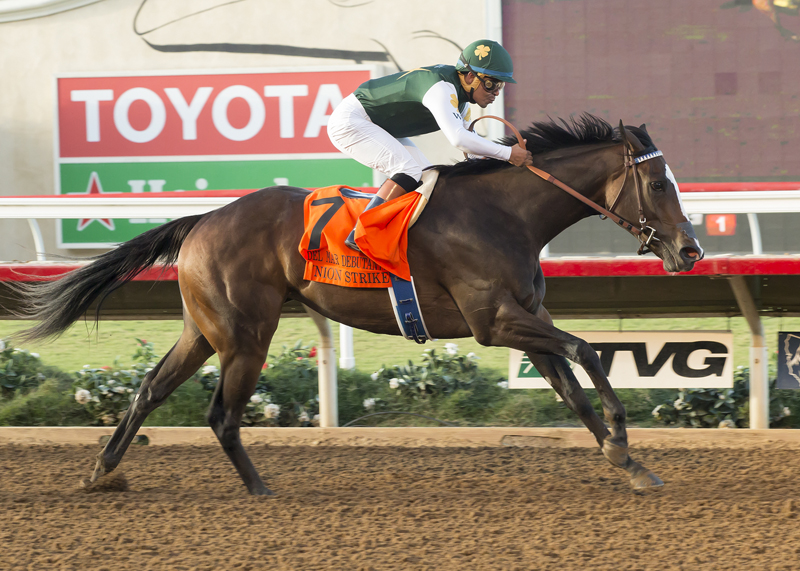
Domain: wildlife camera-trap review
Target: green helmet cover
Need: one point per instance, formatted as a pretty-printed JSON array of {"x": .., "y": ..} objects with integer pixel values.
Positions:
[{"x": 487, "y": 57}]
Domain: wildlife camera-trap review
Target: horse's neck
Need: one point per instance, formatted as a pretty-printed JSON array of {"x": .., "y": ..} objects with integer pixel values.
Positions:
[{"x": 587, "y": 170}]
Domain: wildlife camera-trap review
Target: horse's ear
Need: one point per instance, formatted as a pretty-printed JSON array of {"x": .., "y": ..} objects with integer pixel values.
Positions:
[
  {"x": 643, "y": 127},
  {"x": 623, "y": 133}
]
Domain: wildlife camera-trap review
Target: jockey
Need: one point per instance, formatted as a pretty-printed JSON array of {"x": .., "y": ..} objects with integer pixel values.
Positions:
[{"x": 372, "y": 125}]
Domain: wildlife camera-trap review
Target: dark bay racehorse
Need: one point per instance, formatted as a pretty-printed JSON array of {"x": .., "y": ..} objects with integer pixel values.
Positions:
[{"x": 474, "y": 254}]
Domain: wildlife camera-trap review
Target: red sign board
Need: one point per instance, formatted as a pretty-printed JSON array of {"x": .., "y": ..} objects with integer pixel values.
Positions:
[
  {"x": 200, "y": 115},
  {"x": 720, "y": 224}
]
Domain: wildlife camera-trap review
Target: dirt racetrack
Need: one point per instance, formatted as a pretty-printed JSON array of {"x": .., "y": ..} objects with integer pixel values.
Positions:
[{"x": 394, "y": 508}]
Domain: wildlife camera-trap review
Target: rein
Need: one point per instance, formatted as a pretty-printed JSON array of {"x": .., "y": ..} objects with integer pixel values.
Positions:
[{"x": 645, "y": 234}]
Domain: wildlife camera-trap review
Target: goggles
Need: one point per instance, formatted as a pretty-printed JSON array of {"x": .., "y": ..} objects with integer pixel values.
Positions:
[{"x": 491, "y": 84}]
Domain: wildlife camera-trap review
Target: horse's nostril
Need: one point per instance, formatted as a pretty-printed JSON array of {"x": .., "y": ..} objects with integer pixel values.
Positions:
[{"x": 690, "y": 254}]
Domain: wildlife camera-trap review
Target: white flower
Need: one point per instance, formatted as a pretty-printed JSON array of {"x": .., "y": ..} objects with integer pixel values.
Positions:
[
  {"x": 82, "y": 396},
  {"x": 394, "y": 383},
  {"x": 2, "y": 345},
  {"x": 129, "y": 390},
  {"x": 272, "y": 411},
  {"x": 787, "y": 411},
  {"x": 679, "y": 404},
  {"x": 303, "y": 417},
  {"x": 451, "y": 348},
  {"x": 111, "y": 382},
  {"x": 86, "y": 366},
  {"x": 256, "y": 399},
  {"x": 727, "y": 423},
  {"x": 655, "y": 410},
  {"x": 109, "y": 419},
  {"x": 558, "y": 398},
  {"x": 315, "y": 421},
  {"x": 119, "y": 389},
  {"x": 209, "y": 370},
  {"x": 472, "y": 355},
  {"x": 503, "y": 384},
  {"x": 369, "y": 404},
  {"x": 35, "y": 355},
  {"x": 374, "y": 376}
]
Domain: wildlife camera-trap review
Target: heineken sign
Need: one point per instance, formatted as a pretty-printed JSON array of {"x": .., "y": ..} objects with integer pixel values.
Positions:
[{"x": 187, "y": 131}]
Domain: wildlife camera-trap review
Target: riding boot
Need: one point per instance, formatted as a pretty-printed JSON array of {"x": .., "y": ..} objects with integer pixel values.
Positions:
[{"x": 388, "y": 190}]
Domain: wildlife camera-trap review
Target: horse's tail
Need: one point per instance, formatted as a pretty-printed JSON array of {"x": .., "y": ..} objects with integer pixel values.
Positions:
[{"x": 58, "y": 304}]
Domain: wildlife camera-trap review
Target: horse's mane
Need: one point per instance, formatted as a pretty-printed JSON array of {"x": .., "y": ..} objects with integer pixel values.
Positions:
[{"x": 546, "y": 136}]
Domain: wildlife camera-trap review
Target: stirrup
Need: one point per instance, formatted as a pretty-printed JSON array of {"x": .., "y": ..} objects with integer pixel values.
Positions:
[{"x": 350, "y": 241}]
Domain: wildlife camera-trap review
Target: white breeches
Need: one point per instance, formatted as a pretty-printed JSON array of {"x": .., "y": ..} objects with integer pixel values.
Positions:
[{"x": 353, "y": 133}]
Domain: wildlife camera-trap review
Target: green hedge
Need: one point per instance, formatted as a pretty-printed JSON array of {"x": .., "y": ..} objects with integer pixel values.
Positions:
[{"x": 445, "y": 385}]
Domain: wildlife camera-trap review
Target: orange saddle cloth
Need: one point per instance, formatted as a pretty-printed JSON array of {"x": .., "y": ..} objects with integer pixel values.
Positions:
[{"x": 382, "y": 234}]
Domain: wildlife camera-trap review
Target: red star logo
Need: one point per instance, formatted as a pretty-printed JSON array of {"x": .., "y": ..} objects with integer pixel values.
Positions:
[{"x": 94, "y": 188}]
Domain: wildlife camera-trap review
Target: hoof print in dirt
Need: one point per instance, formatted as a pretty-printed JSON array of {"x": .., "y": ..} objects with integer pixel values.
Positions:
[{"x": 116, "y": 482}]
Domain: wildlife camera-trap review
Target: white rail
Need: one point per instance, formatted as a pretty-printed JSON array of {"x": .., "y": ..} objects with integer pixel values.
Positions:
[
  {"x": 742, "y": 202},
  {"x": 738, "y": 202},
  {"x": 70, "y": 206}
]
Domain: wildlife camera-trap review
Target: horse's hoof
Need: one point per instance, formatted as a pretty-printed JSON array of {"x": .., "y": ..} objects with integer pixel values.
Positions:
[
  {"x": 643, "y": 479},
  {"x": 262, "y": 492},
  {"x": 99, "y": 470}
]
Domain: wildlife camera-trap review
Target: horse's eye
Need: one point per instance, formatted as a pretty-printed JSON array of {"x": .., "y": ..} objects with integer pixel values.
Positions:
[{"x": 657, "y": 185}]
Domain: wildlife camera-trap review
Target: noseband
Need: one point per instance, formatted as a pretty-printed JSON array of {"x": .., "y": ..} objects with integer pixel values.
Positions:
[{"x": 645, "y": 234}]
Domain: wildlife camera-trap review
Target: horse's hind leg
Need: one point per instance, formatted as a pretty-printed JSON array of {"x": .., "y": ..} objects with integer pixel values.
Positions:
[
  {"x": 238, "y": 377},
  {"x": 245, "y": 341},
  {"x": 191, "y": 350}
]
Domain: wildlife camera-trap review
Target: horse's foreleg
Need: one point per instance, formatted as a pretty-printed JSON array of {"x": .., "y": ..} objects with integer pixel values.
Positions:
[
  {"x": 512, "y": 326},
  {"x": 615, "y": 444},
  {"x": 557, "y": 373},
  {"x": 191, "y": 350}
]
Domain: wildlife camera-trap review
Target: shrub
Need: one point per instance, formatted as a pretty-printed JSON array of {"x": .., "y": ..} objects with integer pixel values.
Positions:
[
  {"x": 439, "y": 375},
  {"x": 447, "y": 385},
  {"x": 712, "y": 408},
  {"x": 20, "y": 370},
  {"x": 107, "y": 392},
  {"x": 289, "y": 387},
  {"x": 185, "y": 407},
  {"x": 50, "y": 404}
]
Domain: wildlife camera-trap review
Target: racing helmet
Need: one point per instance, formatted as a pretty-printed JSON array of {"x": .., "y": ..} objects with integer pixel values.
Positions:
[{"x": 487, "y": 57}]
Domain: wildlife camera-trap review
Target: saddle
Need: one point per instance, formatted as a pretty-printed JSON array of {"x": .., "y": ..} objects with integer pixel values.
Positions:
[
  {"x": 428, "y": 181},
  {"x": 329, "y": 215}
]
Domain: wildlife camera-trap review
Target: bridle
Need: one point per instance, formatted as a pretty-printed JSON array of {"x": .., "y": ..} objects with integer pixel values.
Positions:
[{"x": 644, "y": 233}]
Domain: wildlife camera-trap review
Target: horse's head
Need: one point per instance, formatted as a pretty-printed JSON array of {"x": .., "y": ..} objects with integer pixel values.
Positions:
[{"x": 650, "y": 197}]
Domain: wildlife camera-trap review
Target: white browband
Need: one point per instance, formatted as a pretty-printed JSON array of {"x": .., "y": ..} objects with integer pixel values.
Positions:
[{"x": 648, "y": 156}]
